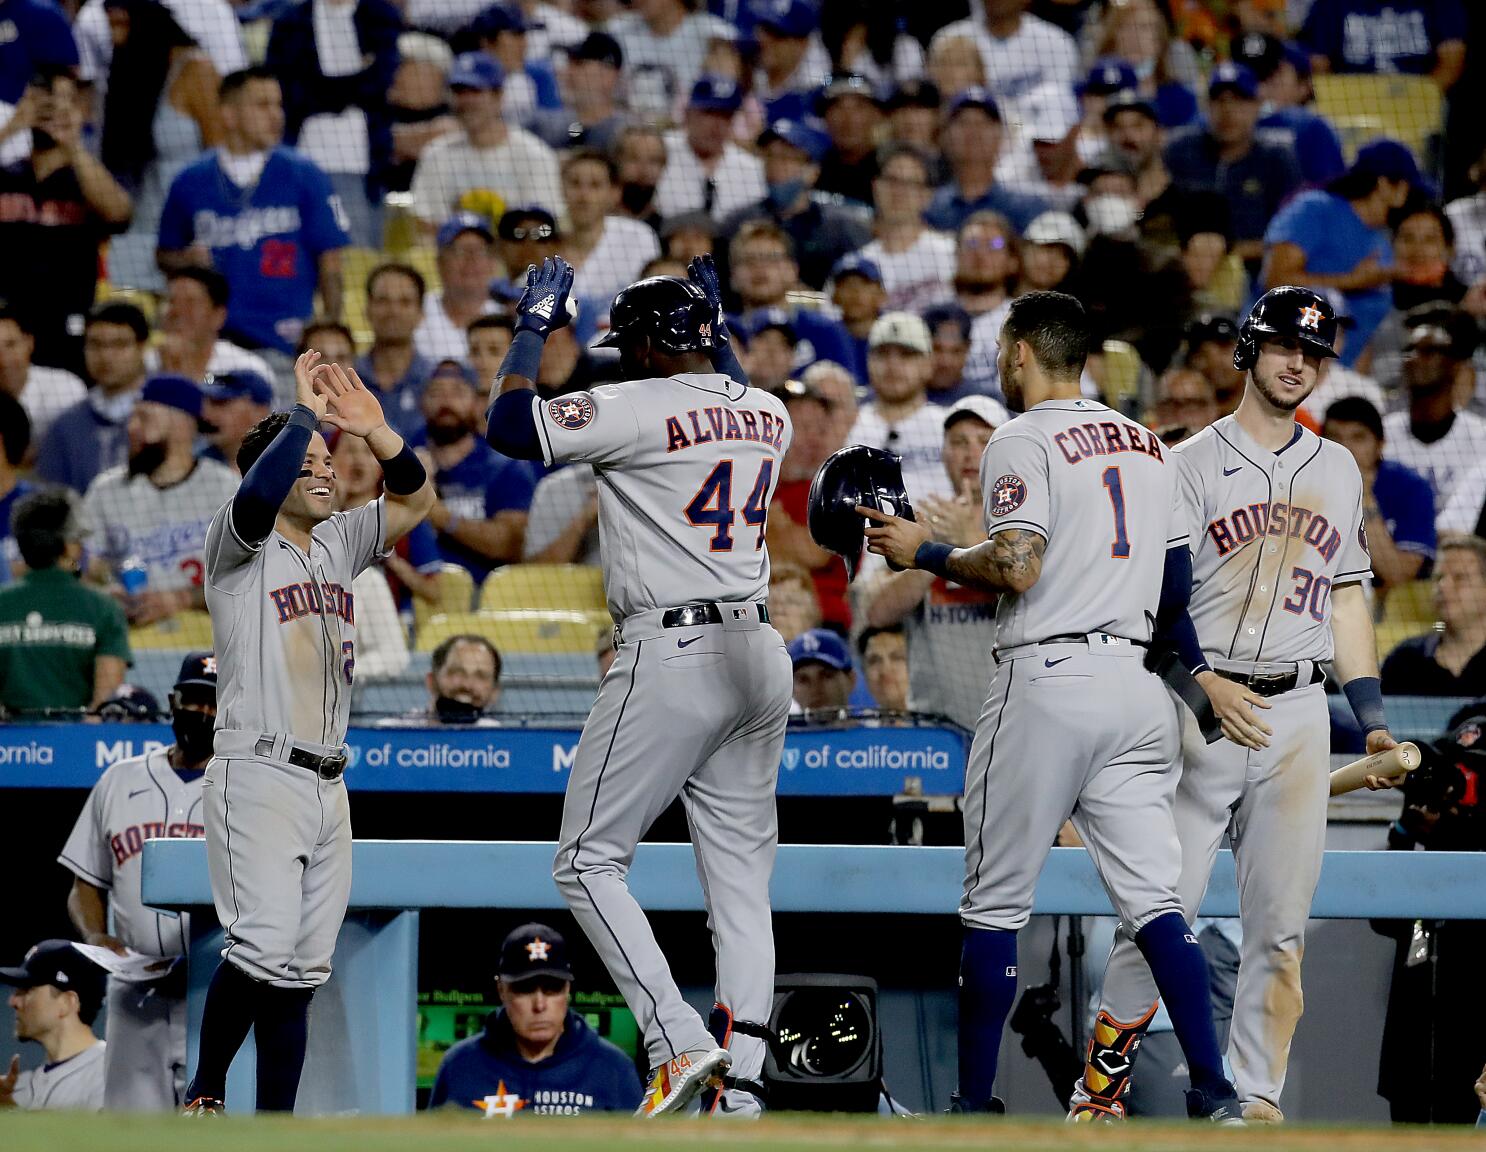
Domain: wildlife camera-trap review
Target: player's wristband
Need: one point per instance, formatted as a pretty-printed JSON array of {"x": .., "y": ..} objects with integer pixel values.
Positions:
[
  {"x": 524, "y": 357},
  {"x": 933, "y": 556},
  {"x": 1366, "y": 697},
  {"x": 404, "y": 473}
]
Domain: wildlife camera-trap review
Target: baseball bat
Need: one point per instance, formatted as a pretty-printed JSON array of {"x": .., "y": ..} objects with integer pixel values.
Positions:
[{"x": 1349, "y": 777}]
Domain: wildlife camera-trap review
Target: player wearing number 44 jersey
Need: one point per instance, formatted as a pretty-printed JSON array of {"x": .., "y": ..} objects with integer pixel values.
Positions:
[
  {"x": 1087, "y": 551},
  {"x": 1278, "y": 556},
  {"x": 279, "y": 568},
  {"x": 686, "y": 456}
]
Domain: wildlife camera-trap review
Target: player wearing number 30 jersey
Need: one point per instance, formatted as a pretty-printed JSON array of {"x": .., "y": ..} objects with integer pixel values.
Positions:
[{"x": 696, "y": 702}]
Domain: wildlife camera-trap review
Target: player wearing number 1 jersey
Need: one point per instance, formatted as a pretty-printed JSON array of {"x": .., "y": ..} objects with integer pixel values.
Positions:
[
  {"x": 1278, "y": 558},
  {"x": 686, "y": 458}
]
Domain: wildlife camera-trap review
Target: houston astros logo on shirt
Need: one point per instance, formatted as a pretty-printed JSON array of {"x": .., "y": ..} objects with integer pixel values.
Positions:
[
  {"x": 571, "y": 412},
  {"x": 1007, "y": 495}
]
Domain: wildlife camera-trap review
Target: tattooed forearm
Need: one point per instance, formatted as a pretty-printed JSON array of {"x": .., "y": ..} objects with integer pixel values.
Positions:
[{"x": 1009, "y": 561}]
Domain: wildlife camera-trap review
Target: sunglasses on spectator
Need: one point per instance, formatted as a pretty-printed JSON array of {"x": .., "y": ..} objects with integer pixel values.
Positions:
[
  {"x": 980, "y": 244},
  {"x": 532, "y": 232}
]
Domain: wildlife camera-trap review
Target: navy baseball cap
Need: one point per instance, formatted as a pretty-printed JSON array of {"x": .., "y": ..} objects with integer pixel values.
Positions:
[
  {"x": 534, "y": 950},
  {"x": 131, "y": 704},
  {"x": 496, "y": 19},
  {"x": 60, "y": 964},
  {"x": 460, "y": 223},
  {"x": 477, "y": 70},
  {"x": 795, "y": 19},
  {"x": 598, "y": 46},
  {"x": 1130, "y": 101},
  {"x": 800, "y": 136},
  {"x": 1109, "y": 75},
  {"x": 951, "y": 313},
  {"x": 973, "y": 97},
  {"x": 822, "y": 646},
  {"x": 1391, "y": 160},
  {"x": 1231, "y": 77},
  {"x": 915, "y": 94},
  {"x": 198, "y": 668},
  {"x": 232, "y": 385},
  {"x": 179, "y": 392},
  {"x": 456, "y": 369},
  {"x": 715, "y": 94},
  {"x": 847, "y": 84},
  {"x": 855, "y": 264},
  {"x": 766, "y": 318},
  {"x": 1210, "y": 329}
]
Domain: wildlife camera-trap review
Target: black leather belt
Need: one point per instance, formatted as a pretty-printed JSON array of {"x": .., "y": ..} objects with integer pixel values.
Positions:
[
  {"x": 1273, "y": 684},
  {"x": 328, "y": 767},
  {"x": 690, "y": 615}
]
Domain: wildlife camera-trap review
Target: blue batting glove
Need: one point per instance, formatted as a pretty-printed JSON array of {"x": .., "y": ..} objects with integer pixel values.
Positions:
[
  {"x": 543, "y": 307},
  {"x": 703, "y": 273}
]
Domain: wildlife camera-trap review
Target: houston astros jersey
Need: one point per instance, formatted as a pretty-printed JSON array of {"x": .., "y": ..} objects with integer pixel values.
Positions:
[
  {"x": 686, "y": 468},
  {"x": 284, "y": 624},
  {"x": 164, "y": 527},
  {"x": 136, "y": 799},
  {"x": 1272, "y": 533},
  {"x": 1101, "y": 490}
]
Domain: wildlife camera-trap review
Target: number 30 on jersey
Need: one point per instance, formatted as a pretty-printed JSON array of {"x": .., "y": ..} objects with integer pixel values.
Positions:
[{"x": 712, "y": 506}]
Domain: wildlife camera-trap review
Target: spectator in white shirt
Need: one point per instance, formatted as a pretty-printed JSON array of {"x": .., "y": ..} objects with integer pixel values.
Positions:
[
  {"x": 916, "y": 261},
  {"x": 664, "y": 43},
  {"x": 705, "y": 169},
  {"x": 488, "y": 163},
  {"x": 466, "y": 265},
  {"x": 606, "y": 251},
  {"x": 1019, "y": 51},
  {"x": 191, "y": 320},
  {"x": 45, "y": 393},
  {"x": 899, "y": 417}
]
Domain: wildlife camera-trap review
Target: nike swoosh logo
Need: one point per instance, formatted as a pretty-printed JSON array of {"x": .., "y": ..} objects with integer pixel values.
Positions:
[
  {"x": 686, "y": 643},
  {"x": 1054, "y": 663},
  {"x": 1232, "y": 471},
  {"x": 138, "y": 792}
]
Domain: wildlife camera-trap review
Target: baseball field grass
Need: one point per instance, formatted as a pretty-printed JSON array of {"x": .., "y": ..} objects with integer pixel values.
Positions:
[{"x": 54, "y": 1132}]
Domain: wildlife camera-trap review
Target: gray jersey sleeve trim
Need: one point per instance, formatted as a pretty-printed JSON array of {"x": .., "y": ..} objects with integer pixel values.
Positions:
[{"x": 82, "y": 873}]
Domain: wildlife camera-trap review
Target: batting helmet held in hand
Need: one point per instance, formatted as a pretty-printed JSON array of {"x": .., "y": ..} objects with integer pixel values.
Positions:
[
  {"x": 856, "y": 475},
  {"x": 1287, "y": 311},
  {"x": 671, "y": 311}
]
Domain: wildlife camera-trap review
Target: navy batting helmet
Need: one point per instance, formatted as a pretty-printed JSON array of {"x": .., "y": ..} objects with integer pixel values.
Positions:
[
  {"x": 856, "y": 475},
  {"x": 1287, "y": 311},
  {"x": 672, "y": 311}
]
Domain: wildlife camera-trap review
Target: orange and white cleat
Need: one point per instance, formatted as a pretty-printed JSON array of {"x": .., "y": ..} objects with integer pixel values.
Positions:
[
  {"x": 676, "y": 1083},
  {"x": 204, "y": 1106}
]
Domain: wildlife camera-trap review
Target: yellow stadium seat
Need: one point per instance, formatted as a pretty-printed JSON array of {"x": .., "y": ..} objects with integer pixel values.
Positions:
[
  {"x": 183, "y": 630},
  {"x": 1360, "y": 107},
  {"x": 1122, "y": 374},
  {"x": 563, "y": 587},
  {"x": 1408, "y": 611},
  {"x": 356, "y": 263},
  {"x": 425, "y": 258},
  {"x": 456, "y": 593},
  {"x": 517, "y": 631}
]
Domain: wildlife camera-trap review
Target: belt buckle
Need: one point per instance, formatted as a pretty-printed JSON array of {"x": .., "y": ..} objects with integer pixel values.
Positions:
[
  {"x": 332, "y": 767},
  {"x": 1271, "y": 684}
]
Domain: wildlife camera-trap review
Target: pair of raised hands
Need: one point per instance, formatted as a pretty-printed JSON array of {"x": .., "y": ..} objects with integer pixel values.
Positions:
[{"x": 337, "y": 395}]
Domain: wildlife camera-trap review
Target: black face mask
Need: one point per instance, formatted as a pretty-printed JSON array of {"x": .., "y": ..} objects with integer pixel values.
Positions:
[
  {"x": 636, "y": 198},
  {"x": 146, "y": 460},
  {"x": 193, "y": 734},
  {"x": 451, "y": 711}
]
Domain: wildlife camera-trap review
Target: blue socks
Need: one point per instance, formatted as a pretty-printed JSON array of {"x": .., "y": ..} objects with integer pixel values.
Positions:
[
  {"x": 1180, "y": 971},
  {"x": 282, "y": 1030},
  {"x": 987, "y": 991},
  {"x": 231, "y": 1002}
]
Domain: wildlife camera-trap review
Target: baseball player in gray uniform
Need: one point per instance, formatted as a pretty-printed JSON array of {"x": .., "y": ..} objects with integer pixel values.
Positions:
[
  {"x": 154, "y": 795},
  {"x": 695, "y": 703},
  {"x": 1085, "y": 548},
  {"x": 1279, "y": 557},
  {"x": 279, "y": 567}
]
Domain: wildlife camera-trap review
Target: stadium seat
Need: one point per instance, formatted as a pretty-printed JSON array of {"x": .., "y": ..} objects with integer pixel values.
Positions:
[
  {"x": 518, "y": 631},
  {"x": 184, "y": 630},
  {"x": 1360, "y": 107},
  {"x": 562, "y": 587},
  {"x": 355, "y": 264},
  {"x": 456, "y": 593},
  {"x": 1122, "y": 374},
  {"x": 1408, "y": 611}
]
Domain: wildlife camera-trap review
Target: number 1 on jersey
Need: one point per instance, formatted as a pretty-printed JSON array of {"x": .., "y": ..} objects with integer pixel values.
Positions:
[
  {"x": 1120, "y": 549},
  {"x": 712, "y": 506}
]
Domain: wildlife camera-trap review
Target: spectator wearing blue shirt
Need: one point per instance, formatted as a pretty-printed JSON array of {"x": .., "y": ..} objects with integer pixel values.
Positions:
[
  {"x": 972, "y": 143},
  {"x": 536, "y": 1055},
  {"x": 1420, "y": 37},
  {"x": 33, "y": 34},
  {"x": 91, "y": 436},
  {"x": 1284, "y": 74},
  {"x": 15, "y": 439},
  {"x": 1338, "y": 237},
  {"x": 792, "y": 61},
  {"x": 480, "y": 515},
  {"x": 1397, "y": 503},
  {"x": 263, "y": 216},
  {"x": 592, "y": 116},
  {"x": 392, "y": 366},
  {"x": 1228, "y": 157}
]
